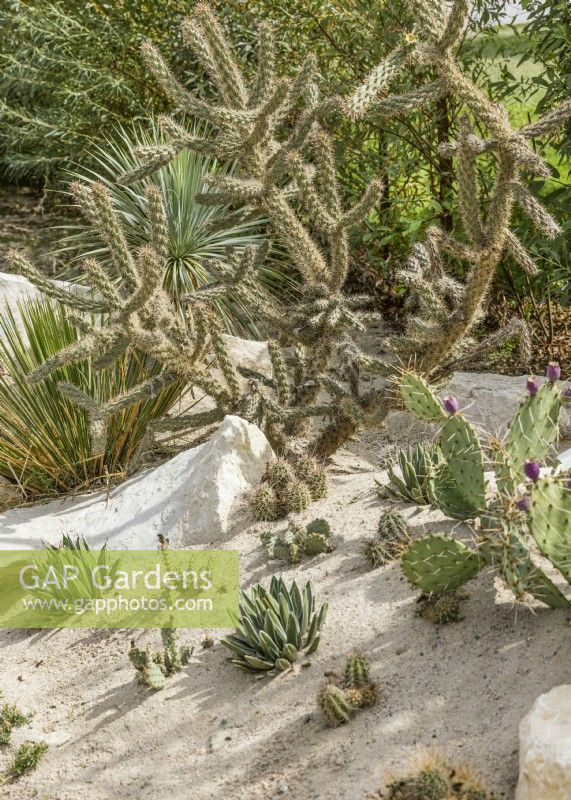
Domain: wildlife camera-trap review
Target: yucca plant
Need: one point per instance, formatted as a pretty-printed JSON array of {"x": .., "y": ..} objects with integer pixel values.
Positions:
[
  {"x": 195, "y": 233},
  {"x": 275, "y": 626},
  {"x": 45, "y": 443}
]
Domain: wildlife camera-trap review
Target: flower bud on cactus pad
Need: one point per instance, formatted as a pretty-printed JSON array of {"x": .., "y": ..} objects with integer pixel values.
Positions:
[
  {"x": 568, "y": 480},
  {"x": 450, "y": 404},
  {"x": 567, "y": 393},
  {"x": 532, "y": 386},
  {"x": 523, "y": 503},
  {"x": 532, "y": 470},
  {"x": 553, "y": 371}
]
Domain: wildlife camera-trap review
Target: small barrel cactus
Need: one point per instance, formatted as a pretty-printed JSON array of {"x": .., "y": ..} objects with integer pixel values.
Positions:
[
  {"x": 440, "y": 608},
  {"x": 279, "y": 474},
  {"x": 309, "y": 470},
  {"x": 337, "y": 703},
  {"x": 334, "y": 705},
  {"x": 437, "y": 779},
  {"x": 357, "y": 671},
  {"x": 394, "y": 537},
  {"x": 266, "y": 504},
  {"x": 296, "y": 497}
]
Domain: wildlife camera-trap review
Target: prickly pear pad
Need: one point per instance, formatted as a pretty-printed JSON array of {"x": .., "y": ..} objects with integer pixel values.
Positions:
[
  {"x": 550, "y": 522},
  {"x": 534, "y": 427},
  {"x": 462, "y": 451},
  {"x": 419, "y": 398},
  {"x": 440, "y": 564}
]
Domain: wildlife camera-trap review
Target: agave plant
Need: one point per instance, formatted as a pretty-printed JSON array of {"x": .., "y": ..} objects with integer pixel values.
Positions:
[
  {"x": 416, "y": 465},
  {"x": 275, "y": 626},
  {"x": 45, "y": 445},
  {"x": 196, "y": 233}
]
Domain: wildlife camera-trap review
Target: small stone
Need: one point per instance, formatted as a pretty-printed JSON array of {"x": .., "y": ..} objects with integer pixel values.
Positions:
[{"x": 545, "y": 748}]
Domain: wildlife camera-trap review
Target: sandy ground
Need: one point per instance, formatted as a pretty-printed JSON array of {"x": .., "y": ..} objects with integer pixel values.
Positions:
[{"x": 215, "y": 732}]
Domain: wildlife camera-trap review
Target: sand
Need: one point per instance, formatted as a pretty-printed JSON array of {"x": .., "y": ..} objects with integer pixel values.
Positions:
[{"x": 215, "y": 732}]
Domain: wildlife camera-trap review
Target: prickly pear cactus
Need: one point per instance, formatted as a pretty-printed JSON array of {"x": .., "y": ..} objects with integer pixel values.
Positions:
[
  {"x": 534, "y": 427},
  {"x": 419, "y": 398},
  {"x": 550, "y": 521},
  {"x": 463, "y": 454},
  {"x": 440, "y": 564},
  {"x": 457, "y": 487}
]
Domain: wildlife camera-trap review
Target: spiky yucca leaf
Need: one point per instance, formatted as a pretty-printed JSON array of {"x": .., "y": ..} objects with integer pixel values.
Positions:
[
  {"x": 196, "y": 233},
  {"x": 44, "y": 438},
  {"x": 275, "y": 625}
]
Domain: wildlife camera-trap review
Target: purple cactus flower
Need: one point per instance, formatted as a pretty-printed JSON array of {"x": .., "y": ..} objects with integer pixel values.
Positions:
[
  {"x": 532, "y": 469},
  {"x": 568, "y": 480},
  {"x": 523, "y": 503},
  {"x": 532, "y": 386},
  {"x": 553, "y": 371},
  {"x": 450, "y": 404}
]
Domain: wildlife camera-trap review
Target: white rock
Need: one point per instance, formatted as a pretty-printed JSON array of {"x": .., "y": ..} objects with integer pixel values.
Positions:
[
  {"x": 545, "y": 748},
  {"x": 15, "y": 288},
  {"x": 491, "y": 400},
  {"x": 249, "y": 353},
  {"x": 189, "y": 499}
]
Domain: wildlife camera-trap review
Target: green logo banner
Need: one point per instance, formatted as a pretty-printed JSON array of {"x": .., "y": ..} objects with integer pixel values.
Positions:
[{"x": 69, "y": 588}]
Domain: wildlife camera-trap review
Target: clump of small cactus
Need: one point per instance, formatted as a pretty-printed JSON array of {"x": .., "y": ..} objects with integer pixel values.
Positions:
[
  {"x": 26, "y": 758},
  {"x": 338, "y": 703},
  {"x": 289, "y": 487},
  {"x": 416, "y": 465},
  {"x": 437, "y": 779},
  {"x": 505, "y": 518},
  {"x": 393, "y": 538},
  {"x": 440, "y": 608},
  {"x": 275, "y": 626},
  {"x": 265, "y": 504},
  {"x": 155, "y": 666},
  {"x": 10, "y": 717},
  {"x": 298, "y": 542}
]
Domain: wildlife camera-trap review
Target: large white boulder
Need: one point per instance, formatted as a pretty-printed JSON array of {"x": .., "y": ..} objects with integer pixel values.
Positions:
[
  {"x": 189, "y": 499},
  {"x": 545, "y": 748},
  {"x": 491, "y": 400},
  {"x": 15, "y": 288}
]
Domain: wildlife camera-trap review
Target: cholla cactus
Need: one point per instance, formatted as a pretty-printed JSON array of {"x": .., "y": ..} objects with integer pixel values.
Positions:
[
  {"x": 442, "y": 310},
  {"x": 275, "y": 130},
  {"x": 439, "y": 564}
]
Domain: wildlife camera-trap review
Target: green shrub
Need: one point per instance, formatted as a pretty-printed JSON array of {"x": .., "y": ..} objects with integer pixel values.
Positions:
[
  {"x": 26, "y": 758},
  {"x": 70, "y": 72},
  {"x": 45, "y": 442}
]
